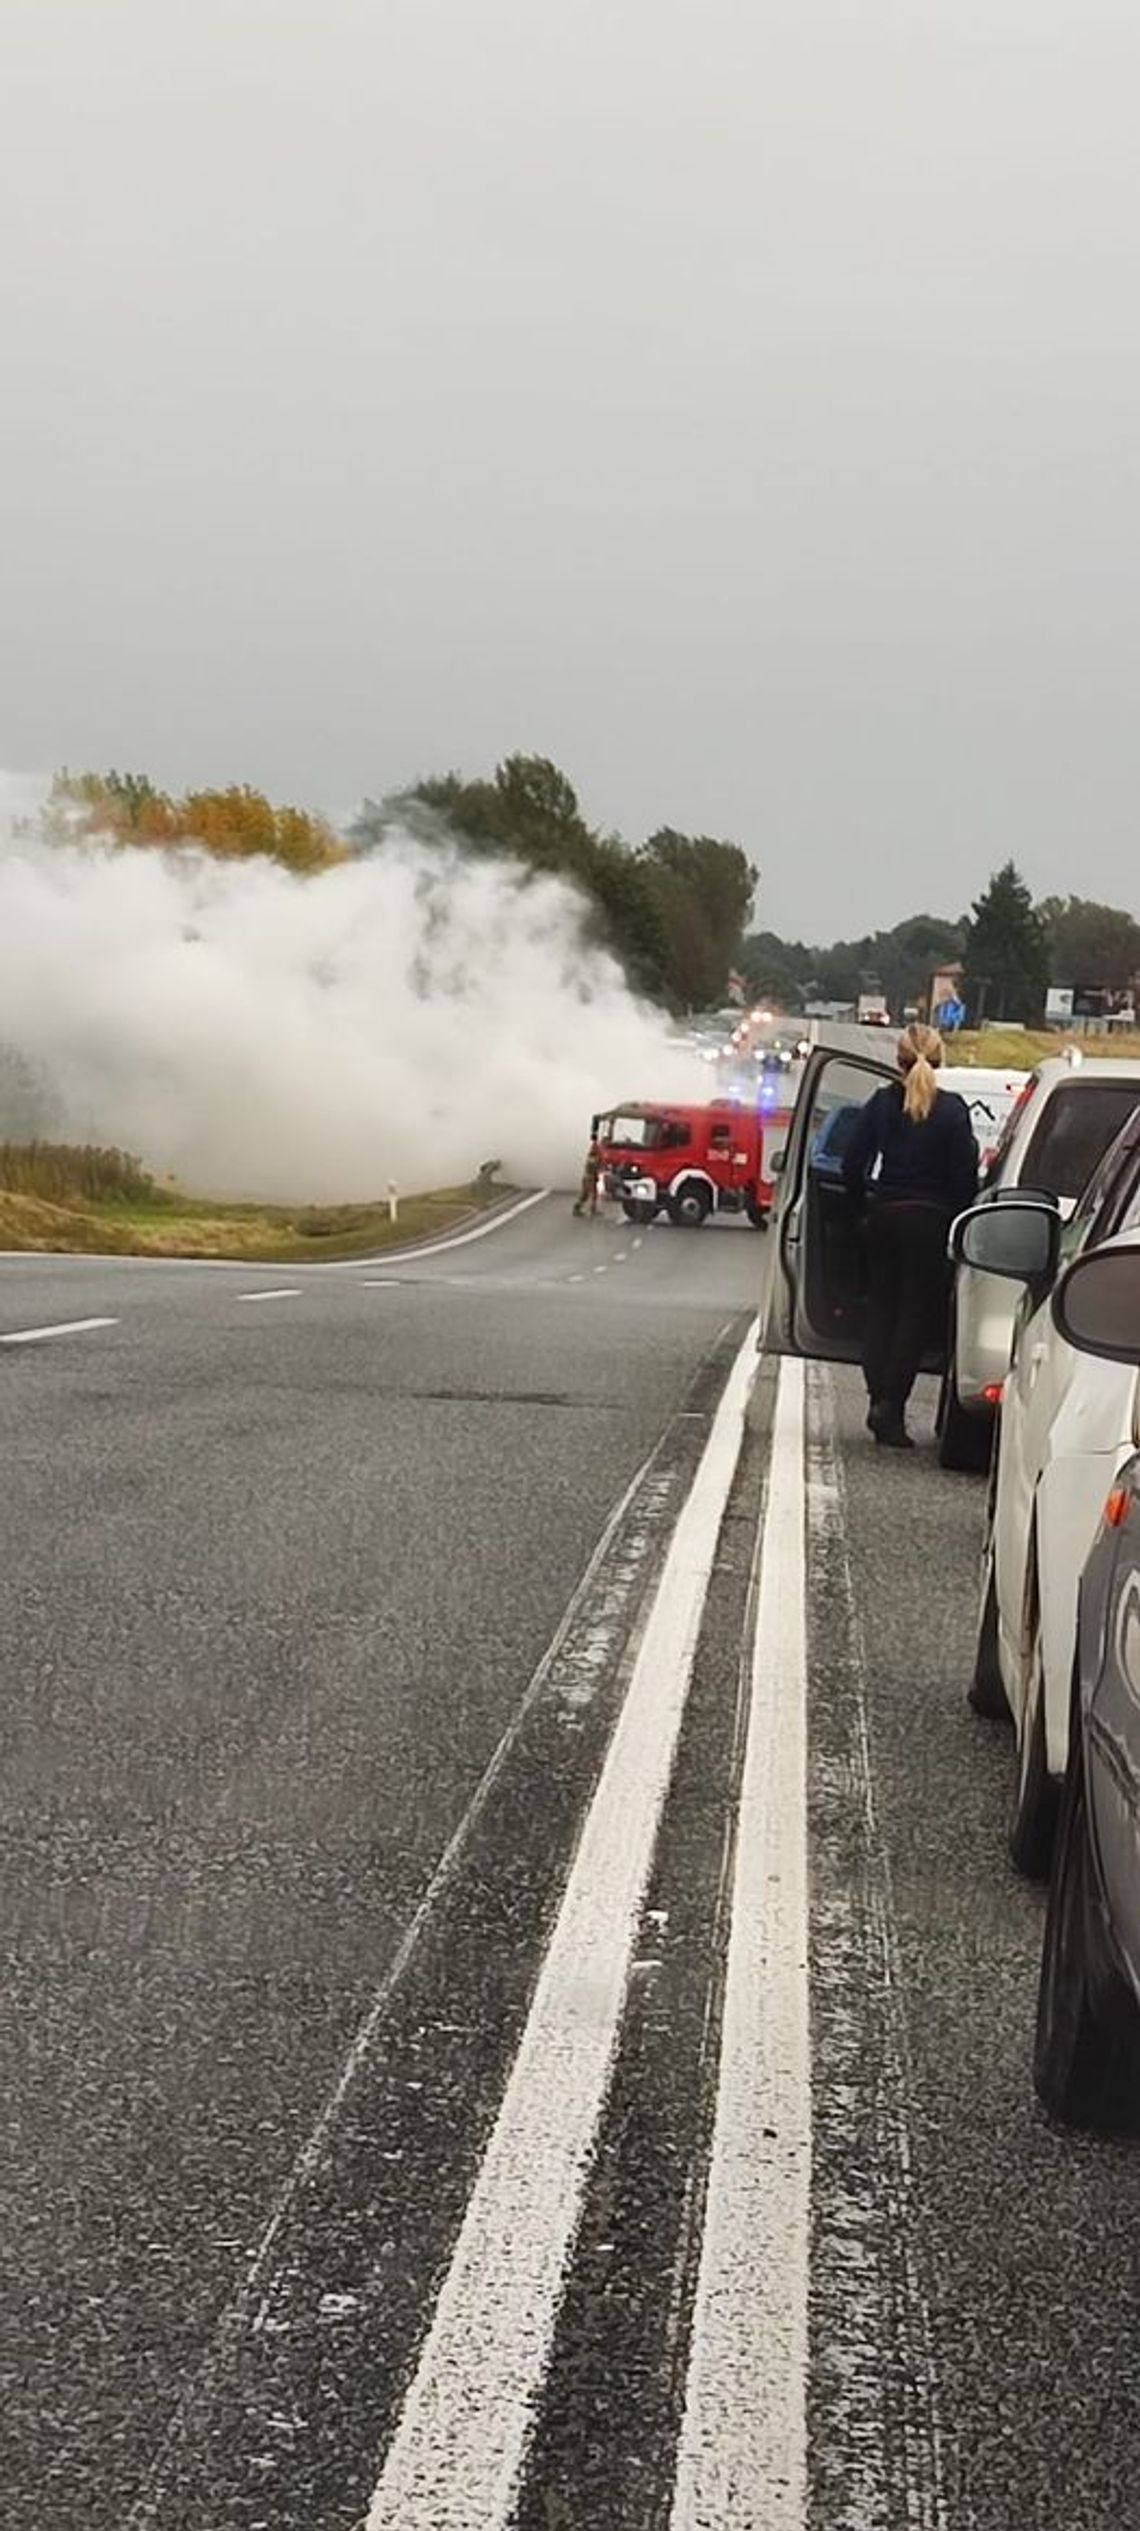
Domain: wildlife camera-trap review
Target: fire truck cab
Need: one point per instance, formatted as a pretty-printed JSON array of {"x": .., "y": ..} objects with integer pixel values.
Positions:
[{"x": 689, "y": 1162}]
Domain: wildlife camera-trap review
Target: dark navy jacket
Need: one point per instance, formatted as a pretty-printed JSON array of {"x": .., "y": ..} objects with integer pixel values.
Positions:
[{"x": 935, "y": 1162}]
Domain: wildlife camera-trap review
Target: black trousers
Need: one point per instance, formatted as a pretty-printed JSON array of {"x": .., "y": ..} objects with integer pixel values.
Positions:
[{"x": 907, "y": 1280}]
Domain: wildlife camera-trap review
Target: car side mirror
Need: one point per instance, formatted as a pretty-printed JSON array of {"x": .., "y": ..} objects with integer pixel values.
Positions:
[
  {"x": 1096, "y": 1305},
  {"x": 1021, "y": 1242}
]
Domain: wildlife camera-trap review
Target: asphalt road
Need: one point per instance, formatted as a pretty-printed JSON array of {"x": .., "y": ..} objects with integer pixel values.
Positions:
[{"x": 458, "y": 2067}]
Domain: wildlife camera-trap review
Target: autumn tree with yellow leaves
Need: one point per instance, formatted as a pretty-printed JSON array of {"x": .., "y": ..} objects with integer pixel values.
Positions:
[{"x": 236, "y": 824}]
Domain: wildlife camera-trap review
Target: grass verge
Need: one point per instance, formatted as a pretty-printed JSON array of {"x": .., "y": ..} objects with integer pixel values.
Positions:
[
  {"x": 1021, "y": 1048},
  {"x": 56, "y": 1198}
]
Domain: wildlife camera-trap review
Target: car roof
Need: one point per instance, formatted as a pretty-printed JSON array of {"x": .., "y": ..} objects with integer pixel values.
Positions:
[
  {"x": 965, "y": 1077},
  {"x": 1056, "y": 1068}
]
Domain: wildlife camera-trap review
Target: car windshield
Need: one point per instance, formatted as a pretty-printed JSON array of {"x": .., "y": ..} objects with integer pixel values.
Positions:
[{"x": 1081, "y": 1120}]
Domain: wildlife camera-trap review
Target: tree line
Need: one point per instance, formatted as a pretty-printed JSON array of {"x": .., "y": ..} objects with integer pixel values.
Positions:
[
  {"x": 673, "y": 909},
  {"x": 1009, "y": 949}
]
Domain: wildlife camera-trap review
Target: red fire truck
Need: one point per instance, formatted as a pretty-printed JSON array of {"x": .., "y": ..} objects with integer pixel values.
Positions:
[{"x": 689, "y": 1162}]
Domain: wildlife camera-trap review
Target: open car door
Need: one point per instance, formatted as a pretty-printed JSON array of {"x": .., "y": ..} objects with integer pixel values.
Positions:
[{"x": 818, "y": 1293}]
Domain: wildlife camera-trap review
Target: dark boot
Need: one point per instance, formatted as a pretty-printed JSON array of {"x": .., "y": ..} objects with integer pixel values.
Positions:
[{"x": 886, "y": 1422}]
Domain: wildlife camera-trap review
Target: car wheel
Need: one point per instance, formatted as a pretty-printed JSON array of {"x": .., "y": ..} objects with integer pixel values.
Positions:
[
  {"x": 987, "y": 1687},
  {"x": 638, "y": 1212},
  {"x": 1086, "y": 2061},
  {"x": 689, "y": 1207},
  {"x": 963, "y": 1440},
  {"x": 1034, "y": 1821}
]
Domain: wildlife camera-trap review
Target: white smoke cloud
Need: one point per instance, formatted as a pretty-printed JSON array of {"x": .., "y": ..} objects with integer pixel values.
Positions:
[{"x": 404, "y": 1017}]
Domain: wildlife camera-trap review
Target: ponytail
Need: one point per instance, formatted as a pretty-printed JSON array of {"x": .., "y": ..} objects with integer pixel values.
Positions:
[{"x": 919, "y": 1054}]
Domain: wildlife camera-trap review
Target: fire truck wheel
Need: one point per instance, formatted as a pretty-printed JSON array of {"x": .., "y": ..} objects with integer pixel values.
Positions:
[
  {"x": 643, "y": 1212},
  {"x": 690, "y": 1205}
]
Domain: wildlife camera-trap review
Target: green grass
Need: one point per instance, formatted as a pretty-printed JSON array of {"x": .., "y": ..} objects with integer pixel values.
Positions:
[
  {"x": 55, "y": 1197},
  {"x": 1021, "y": 1048}
]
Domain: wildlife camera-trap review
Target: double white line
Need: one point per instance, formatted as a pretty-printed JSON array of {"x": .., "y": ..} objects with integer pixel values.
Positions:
[{"x": 457, "y": 2456}]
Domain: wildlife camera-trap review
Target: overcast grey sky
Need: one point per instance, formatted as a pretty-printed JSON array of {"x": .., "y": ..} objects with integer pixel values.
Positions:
[{"x": 735, "y": 399}]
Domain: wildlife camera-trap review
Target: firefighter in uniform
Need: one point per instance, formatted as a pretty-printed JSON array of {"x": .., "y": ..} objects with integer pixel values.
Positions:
[{"x": 591, "y": 1171}]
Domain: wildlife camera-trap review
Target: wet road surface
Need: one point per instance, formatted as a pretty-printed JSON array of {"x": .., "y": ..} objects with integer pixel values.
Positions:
[{"x": 514, "y": 2010}]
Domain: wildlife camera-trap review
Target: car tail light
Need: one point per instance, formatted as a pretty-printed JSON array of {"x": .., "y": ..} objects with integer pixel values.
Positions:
[
  {"x": 1118, "y": 1506},
  {"x": 993, "y": 1392}
]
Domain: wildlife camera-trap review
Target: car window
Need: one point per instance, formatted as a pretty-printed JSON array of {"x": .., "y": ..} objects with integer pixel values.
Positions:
[
  {"x": 1103, "y": 1206},
  {"x": 677, "y": 1137},
  {"x": 1074, "y": 1131},
  {"x": 839, "y": 1132}
]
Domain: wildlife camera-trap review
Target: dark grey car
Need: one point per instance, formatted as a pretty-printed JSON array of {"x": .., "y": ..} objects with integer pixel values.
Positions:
[{"x": 1087, "y": 2061}]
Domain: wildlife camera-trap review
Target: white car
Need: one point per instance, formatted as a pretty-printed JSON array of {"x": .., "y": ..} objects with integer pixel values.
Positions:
[
  {"x": 991, "y": 1096},
  {"x": 1068, "y": 1421},
  {"x": 1056, "y": 1130}
]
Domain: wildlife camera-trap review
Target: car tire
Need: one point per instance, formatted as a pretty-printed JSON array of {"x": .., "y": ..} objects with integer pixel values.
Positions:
[
  {"x": 964, "y": 1441},
  {"x": 987, "y": 1687},
  {"x": 638, "y": 1212},
  {"x": 690, "y": 1206},
  {"x": 1086, "y": 2058},
  {"x": 1034, "y": 1822}
]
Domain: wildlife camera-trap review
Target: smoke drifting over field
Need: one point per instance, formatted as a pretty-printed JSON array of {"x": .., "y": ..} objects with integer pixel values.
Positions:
[{"x": 404, "y": 1017}]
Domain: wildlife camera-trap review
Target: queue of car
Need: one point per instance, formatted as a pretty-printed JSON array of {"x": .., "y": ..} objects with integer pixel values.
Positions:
[{"x": 1046, "y": 1305}]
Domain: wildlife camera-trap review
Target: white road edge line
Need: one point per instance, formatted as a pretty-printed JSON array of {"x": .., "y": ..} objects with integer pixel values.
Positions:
[
  {"x": 66, "y": 1327},
  {"x": 287, "y": 1292},
  {"x": 742, "y": 2454},
  {"x": 456, "y": 2458}
]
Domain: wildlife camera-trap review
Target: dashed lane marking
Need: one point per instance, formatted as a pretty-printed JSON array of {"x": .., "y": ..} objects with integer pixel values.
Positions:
[
  {"x": 66, "y": 1327},
  {"x": 288, "y": 1292},
  {"x": 456, "y": 2458}
]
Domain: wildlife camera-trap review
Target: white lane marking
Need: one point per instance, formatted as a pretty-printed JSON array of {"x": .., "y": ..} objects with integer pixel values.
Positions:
[
  {"x": 456, "y": 2458},
  {"x": 601, "y": 1269},
  {"x": 379, "y": 1283},
  {"x": 462, "y": 1239},
  {"x": 328, "y": 1265},
  {"x": 637, "y": 1243},
  {"x": 619, "y": 1256},
  {"x": 66, "y": 1327},
  {"x": 742, "y": 2456},
  {"x": 575, "y": 1278},
  {"x": 287, "y": 1292}
]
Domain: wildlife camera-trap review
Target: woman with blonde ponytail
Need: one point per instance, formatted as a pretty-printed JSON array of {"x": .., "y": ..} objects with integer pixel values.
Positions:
[{"x": 913, "y": 1163}]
